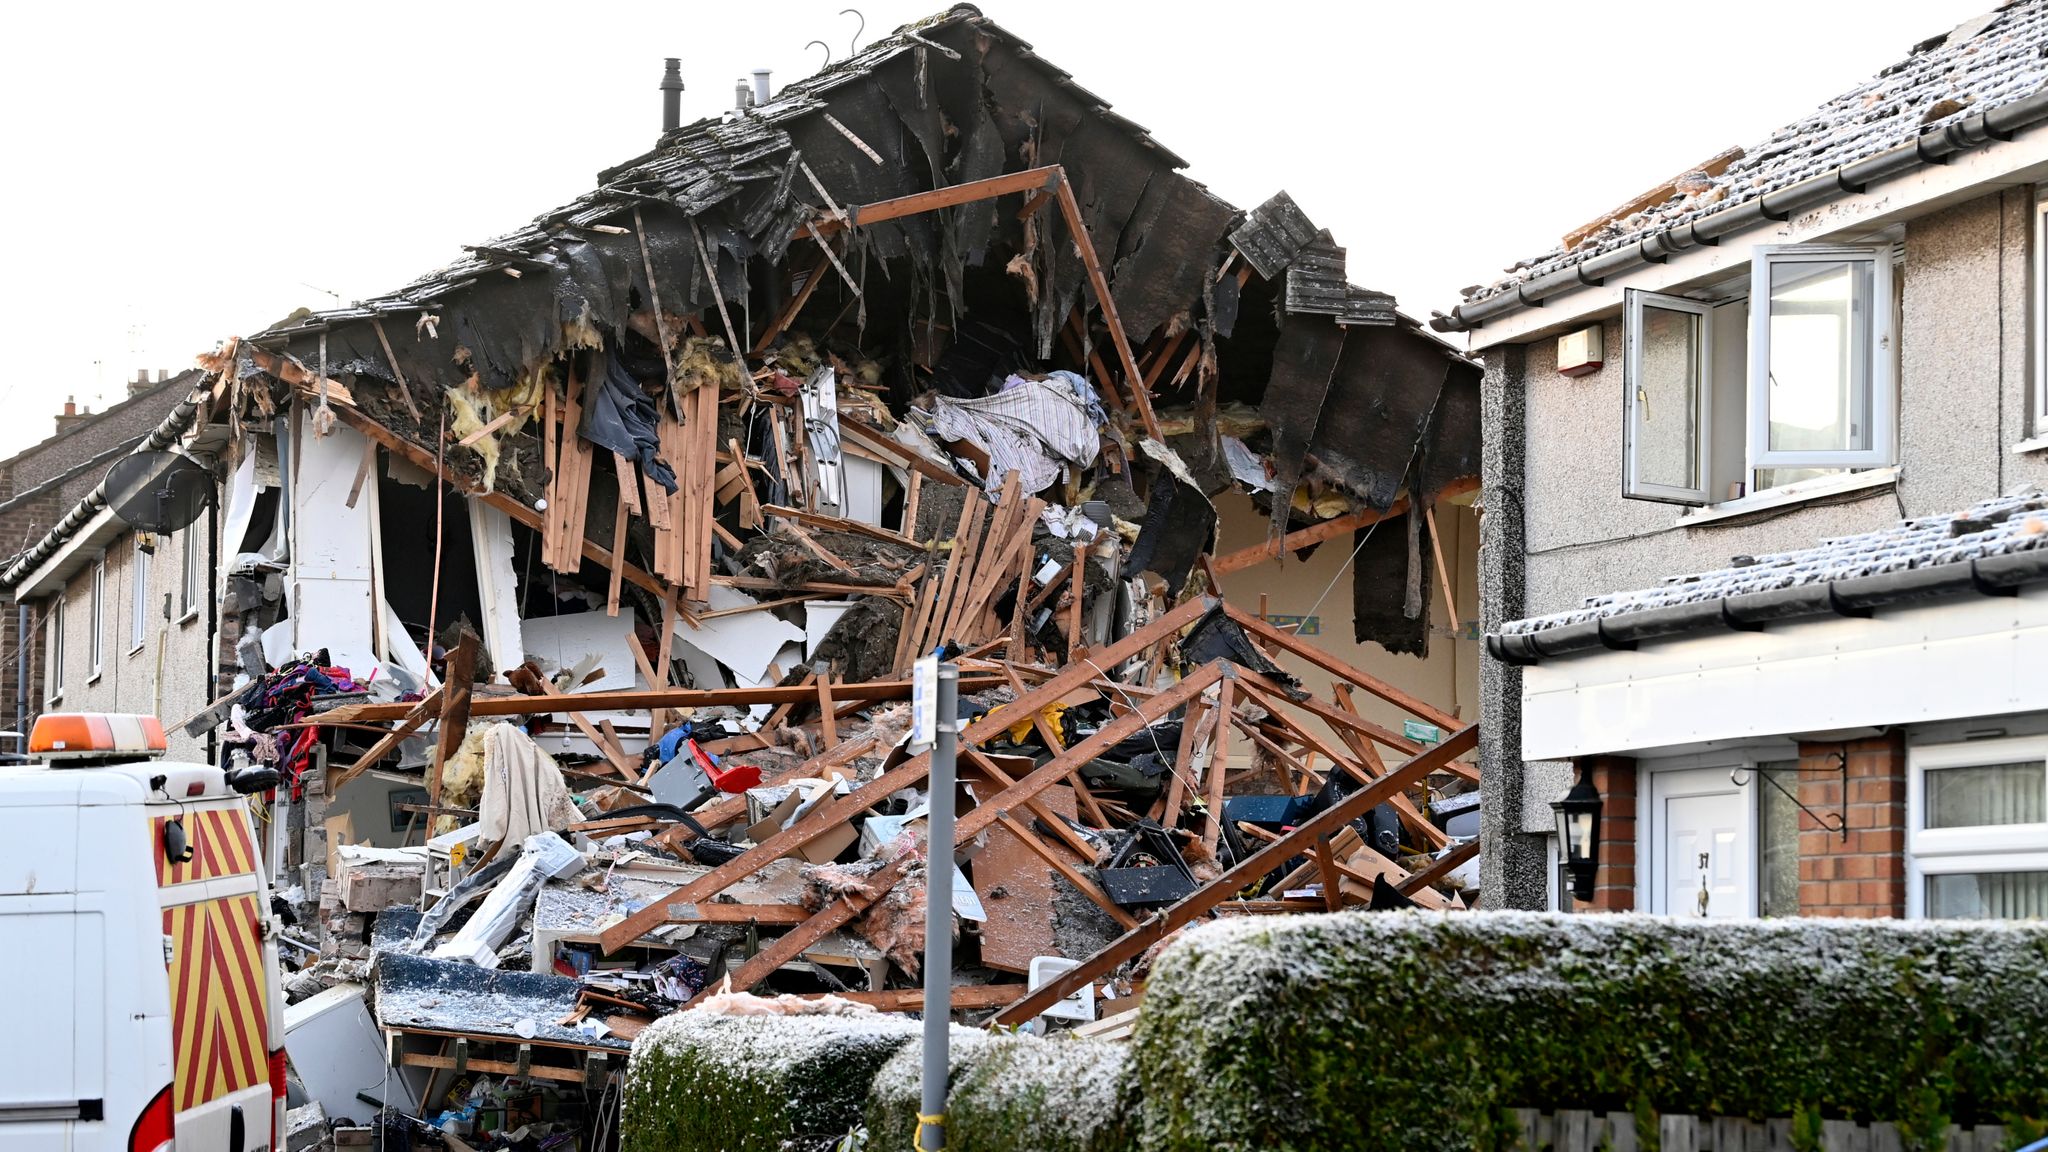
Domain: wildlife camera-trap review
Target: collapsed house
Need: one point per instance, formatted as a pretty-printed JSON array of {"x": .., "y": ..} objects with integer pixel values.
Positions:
[{"x": 627, "y": 528}]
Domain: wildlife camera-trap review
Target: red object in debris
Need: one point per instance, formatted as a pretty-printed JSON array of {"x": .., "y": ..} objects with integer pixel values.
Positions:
[{"x": 735, "y": 779}]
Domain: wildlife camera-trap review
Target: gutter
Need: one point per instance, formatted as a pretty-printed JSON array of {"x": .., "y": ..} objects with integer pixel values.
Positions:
[
  {"x": 2002, "y": 575},
  {"x": 1995, "y": 125},
  {"x": 161, "y": 437}
]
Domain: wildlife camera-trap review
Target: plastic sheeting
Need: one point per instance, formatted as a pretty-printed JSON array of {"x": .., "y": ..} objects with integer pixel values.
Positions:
[
  {"x": 618, "y": 414},
  {"x": 1033, "y": 427}
]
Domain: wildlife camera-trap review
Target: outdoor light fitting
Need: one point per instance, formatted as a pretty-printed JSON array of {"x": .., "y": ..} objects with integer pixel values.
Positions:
[{"x": 1578, "y": 830}]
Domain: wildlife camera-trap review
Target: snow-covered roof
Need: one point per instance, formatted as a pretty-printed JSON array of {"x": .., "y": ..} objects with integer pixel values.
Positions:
[
  {"x": 1995, "y": 545},
  {"x": 1984, "y": 63}
]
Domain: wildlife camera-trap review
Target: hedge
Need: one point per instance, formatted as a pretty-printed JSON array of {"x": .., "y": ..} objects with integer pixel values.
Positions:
[
  {"x": 1419, "y": 1030},
  {"x": 703, "y": 1083},
  {"x": 1011, "y": 1093}
]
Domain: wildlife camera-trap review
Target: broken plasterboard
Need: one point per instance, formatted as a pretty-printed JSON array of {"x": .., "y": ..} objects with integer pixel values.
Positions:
[
  {"x": 819, "y": 617},
  {"x": 561, "y": 642},
  {"x": 497, "y": 583},
  {"x": 863, "y": 489},
  {"x": 333, "y": 601},
  {"x": 745, "y": 643}
]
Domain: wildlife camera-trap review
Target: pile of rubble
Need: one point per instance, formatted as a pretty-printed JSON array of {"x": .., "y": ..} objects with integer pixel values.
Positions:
[{"x": 598, "y": 562}]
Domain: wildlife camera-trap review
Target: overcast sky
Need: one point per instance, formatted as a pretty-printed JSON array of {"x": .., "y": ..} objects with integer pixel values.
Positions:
[{"x": 180, "y": 173}]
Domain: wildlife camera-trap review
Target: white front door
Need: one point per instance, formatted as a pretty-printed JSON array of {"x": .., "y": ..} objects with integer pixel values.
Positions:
[{"x": 1701, "y": 845}]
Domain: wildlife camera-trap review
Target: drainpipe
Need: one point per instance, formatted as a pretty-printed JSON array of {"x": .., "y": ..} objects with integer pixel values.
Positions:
[
  {"x": 212, "y": 622},
  {"x": 21, "y": 678}
]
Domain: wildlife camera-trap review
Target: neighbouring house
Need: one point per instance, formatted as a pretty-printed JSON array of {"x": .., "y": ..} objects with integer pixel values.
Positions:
[
  {"x": 99, "y": 616},
  {"x": 1765, "y": 542}
]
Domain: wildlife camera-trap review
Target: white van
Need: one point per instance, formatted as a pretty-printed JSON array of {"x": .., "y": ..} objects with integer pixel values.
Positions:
[{"x": 137, "y": 950}]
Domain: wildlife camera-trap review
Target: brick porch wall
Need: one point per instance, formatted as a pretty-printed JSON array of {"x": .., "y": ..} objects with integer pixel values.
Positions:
[
  {"x": 1614, "y": 885},
  {"x": 1863, "y": 875}
]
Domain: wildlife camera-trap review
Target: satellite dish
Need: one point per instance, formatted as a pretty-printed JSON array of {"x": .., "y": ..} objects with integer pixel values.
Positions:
[{"x": 158, "y": 491}]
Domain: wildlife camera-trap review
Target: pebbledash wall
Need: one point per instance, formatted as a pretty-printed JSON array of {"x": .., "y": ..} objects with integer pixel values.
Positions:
[
  {"x": 1556, "y": 530},
  {"x": 161, "y": 668}
]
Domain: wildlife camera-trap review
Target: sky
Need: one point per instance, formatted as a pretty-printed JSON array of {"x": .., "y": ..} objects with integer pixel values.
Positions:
[{"x": 182, "y": 173}]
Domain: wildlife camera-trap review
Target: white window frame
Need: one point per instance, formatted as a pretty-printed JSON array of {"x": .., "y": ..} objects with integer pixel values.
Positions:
[
  {"x": 138, "y": 599},
  {"x": 2038, "y": 405},
  {"x": 1632, "y": 487},
  {"x": 98, "y": 607},
  {"x": 188, "y": 574},
  {"x": 53, "y": 653},
  {"x": 1990, "y": 848},
  {"x": 1883, "y": 414}
]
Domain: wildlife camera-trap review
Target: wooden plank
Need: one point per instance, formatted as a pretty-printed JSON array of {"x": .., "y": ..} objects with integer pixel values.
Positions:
[
  {"x": 629, "y": 482},
  {"x": 1016, "y": 887},
  {"x": 1441, "y": 867},
  {"x": 965, "y": 997},
  {"x": 835, "y": 523},
  {"x": 913, "y": 771},
  {"x": 1295, "y": 541},
  {"x": 619, "y": 525},
  {"x": 1714, "y": 165},
  {"x": 1326, "y": 864},
  {"x": 837, "y": 913},
  {"x": 787, "y": 316},
  {"x": 959, "y": 557},
  {"x": 1436, "y": 544},
  {"x": 501, "y": 1067},
  {"x": 1338, "y": 668},
  {"x": 397, "y": 373},
  {"x": 1074, "y": 841},
  {"x": 828, "y": 723},
  {"x": 1219, "y": 759},
  {"x": 1221, "y": 889},
  {"x": 1133, "y": 379},
  {"x": 457, "y": 681},
  {"x": 410, "y": 717},
  {"x": 1029, "y": 180}
]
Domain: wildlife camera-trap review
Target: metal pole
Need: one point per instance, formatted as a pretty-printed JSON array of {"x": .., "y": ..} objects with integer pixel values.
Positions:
[{"x": 938, "y": 915}]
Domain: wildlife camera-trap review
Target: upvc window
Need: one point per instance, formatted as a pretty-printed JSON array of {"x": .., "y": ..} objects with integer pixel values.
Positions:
[
  {"x": 2040, "y": 404},
  {"x": 138, "y": 599},
  {"x": 1977, "y": 839},
  {"x": 188, "y": 574},
  {"x": 53, "y": 629},
  {"x": 98, "y": 618},
  {"x": 1761, "y": 384}
]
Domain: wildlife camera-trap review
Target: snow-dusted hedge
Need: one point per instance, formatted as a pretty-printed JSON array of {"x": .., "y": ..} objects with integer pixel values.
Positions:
[
  {"x": 1012, "y": 1093},
  {"x": 1418, "y": 1030},
  {"x": 703, "y": 1083}
]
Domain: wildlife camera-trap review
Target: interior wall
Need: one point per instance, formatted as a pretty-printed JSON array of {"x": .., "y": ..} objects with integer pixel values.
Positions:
[{"x": 1448, "y": 677}]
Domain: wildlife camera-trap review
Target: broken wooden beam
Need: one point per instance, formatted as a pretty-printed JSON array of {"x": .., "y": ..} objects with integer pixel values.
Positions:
[{"x": 1239, "y": 877}]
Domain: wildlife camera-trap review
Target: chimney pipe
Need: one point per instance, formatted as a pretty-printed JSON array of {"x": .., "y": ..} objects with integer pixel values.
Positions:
[
  {"x": 742, "y": 96},
  {"x": 760, "y": 86},
  {"x": 672, "y": 95},
  {"x": 70, "y": 406}
]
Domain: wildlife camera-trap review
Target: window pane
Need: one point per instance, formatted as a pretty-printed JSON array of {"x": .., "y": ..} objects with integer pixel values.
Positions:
[
  {"x": 1988, "y": 896},
  {"x": 1777, "y": 890},
  {"x": 1986, "y": 794},
  {"x": 1820, "y": 355},
  {"x": 1667, "y": 399}
]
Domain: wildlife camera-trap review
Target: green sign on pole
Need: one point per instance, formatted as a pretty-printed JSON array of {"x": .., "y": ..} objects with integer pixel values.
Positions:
[{"x": 1422, "y": 733}]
